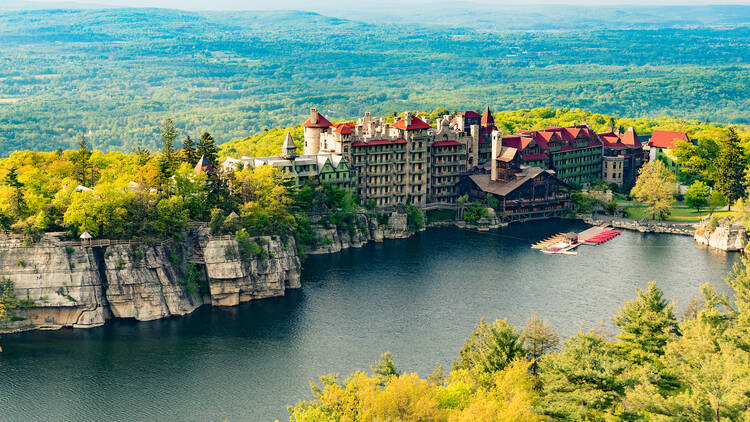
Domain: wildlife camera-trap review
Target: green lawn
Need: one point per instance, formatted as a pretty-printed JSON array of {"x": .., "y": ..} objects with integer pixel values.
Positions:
[{"x": 679, "y": 213}]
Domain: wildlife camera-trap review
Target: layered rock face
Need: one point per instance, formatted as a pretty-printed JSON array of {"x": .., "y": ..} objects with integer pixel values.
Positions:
[
  {"x": 148, "y": 282},
  {"x": 61, "y": 280},
  {"x": 233, "y": 280},
  {"x": 725, "y": 236},
  {"x": 363, "y": 231},
  {"x": 75, "y": 286}
]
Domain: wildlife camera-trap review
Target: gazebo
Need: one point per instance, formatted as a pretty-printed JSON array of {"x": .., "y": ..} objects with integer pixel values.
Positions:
[{"x": 86, "y": 238}]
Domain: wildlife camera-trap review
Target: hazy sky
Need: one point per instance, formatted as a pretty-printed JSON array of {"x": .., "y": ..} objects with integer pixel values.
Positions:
[{"x": 328, "y": 4}]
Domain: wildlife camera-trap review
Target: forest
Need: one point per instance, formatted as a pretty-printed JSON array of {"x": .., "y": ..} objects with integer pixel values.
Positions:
[{"x": 116, "y": 75}]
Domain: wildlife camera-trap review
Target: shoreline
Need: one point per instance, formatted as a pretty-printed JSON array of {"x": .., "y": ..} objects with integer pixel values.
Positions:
[{"x": 628, "y": 224}]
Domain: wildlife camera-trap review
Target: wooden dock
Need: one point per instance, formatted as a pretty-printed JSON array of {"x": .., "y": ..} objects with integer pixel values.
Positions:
[
  {"x": 562, "y": 243},
  {"x": 591, "y": 232}
]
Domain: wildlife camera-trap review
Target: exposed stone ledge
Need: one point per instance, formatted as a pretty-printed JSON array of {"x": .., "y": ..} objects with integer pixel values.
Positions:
[
  {"x": 81, "y": 287},
  {"x": 724, "y": 235}
]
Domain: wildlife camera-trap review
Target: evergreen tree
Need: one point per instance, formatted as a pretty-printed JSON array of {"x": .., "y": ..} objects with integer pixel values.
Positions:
[
  {"x": 385, "y": 368},
  {"x": 730, "y": 168},
  {"x": 82, "y": 160},
  {"x": 646, "y": 324},
  {"x": 207, "y": 148},
  {"x": 16, "y": 202},
  {"x": 491, "y": 347},
  {"x": 167, "y": 160},
  {"x": 189, "y": 153},
  {"x": 585, "y": 381}
]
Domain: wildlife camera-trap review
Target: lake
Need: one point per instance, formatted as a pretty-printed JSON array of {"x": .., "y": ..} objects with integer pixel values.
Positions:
[{"x": 418, "y": 298}]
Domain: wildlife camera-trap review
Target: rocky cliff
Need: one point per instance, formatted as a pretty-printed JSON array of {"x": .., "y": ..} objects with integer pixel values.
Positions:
[
  {"x": 78, "y": 286},
  {"x": 365, "y": 229},
  {"x": 722, "y": 235}
]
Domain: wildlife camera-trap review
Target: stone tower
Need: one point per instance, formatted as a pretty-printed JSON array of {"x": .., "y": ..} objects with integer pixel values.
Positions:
[
  {"x": 497, "y": 144},
  {"x": 314, "y": 127}
]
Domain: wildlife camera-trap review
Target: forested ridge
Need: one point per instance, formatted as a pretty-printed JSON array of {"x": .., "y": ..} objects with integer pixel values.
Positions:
[{"x": 115, "y": 75}]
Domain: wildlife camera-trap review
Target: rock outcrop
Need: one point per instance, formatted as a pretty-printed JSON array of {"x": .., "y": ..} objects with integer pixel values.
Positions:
[
  {"x": 61, "y": 280},
  {"x": 722, "y": 235},
  {"x": 66, "y": 284},
  {"x": 270, "y": 272},
  {"x": 331, "y": 239}
]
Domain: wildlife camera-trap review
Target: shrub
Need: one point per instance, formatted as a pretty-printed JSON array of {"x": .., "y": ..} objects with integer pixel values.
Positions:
[
  {"x": 414, "y": 218},
  {"x": 248, "y": 248}
]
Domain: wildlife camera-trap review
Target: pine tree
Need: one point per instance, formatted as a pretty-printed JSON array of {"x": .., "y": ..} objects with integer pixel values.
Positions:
[
  {"x": 167, "y": 159},
  {"x": 491, "y": 347},
  {"x": 16, "y": 202},
  {"x": 81, "y": 160},
  {"x": 585, "y": 381},
  {"x": 730, "y": 168},
  {"x": 385, "y": 368},
  {"x": 646, "y": 325},
  {"x": 207, "y": 148},
  {"x": 189, "y": 153}
]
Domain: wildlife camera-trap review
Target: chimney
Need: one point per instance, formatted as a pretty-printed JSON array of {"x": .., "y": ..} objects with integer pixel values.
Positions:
[
  {"x": 314, "y": 115},
  {"x": 496, "y": 145},
  {"x": 407, "y": 117}
]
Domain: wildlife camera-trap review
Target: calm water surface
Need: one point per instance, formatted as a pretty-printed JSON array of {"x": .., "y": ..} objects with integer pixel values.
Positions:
[{"x": 418, "y": 298}]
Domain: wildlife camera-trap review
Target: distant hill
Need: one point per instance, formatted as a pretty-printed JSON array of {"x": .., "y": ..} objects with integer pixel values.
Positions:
[
  {"x": 116, "y": 74},
  {"x": 14, "y": 5}
]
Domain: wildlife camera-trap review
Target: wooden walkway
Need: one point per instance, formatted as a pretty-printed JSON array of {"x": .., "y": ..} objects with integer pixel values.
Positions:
[{"x": 591, "y": 232}]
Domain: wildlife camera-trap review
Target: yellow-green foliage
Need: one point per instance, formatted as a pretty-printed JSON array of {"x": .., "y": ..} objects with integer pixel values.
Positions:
[
  {"x": 506, "y": 395},
  {"x": 264, "y": 144}
]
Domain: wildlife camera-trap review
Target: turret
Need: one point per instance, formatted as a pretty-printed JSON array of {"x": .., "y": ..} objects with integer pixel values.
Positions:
[
  {"x": 314, "y": 127},
  {"x": 487, "y": 119},
  {"x": 288, "y": 149}
]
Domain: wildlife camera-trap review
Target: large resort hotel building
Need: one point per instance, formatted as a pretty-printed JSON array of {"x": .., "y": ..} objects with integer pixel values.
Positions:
[{"x": 409, "y": 161}]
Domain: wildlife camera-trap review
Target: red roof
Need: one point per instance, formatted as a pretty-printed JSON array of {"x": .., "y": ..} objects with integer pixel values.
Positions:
[
  {"x": 446, "y": 144},
  {"x": 516, "y": 142},
  {"x": 630, "y": 138},
  {"x": 320, "y": 122},
  {"x": 665, "y": 139},
  {"x": 416, "y": 124},
  {"x": 469, "y": 114},
  {"x": 343, "y": 128}
]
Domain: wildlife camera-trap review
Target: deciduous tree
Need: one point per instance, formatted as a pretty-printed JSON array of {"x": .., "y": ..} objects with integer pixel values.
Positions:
[
  {"x": 539, "y": 338},
  {"x": 697, "y": 195},
  {"x": 655, "y": 187}
]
